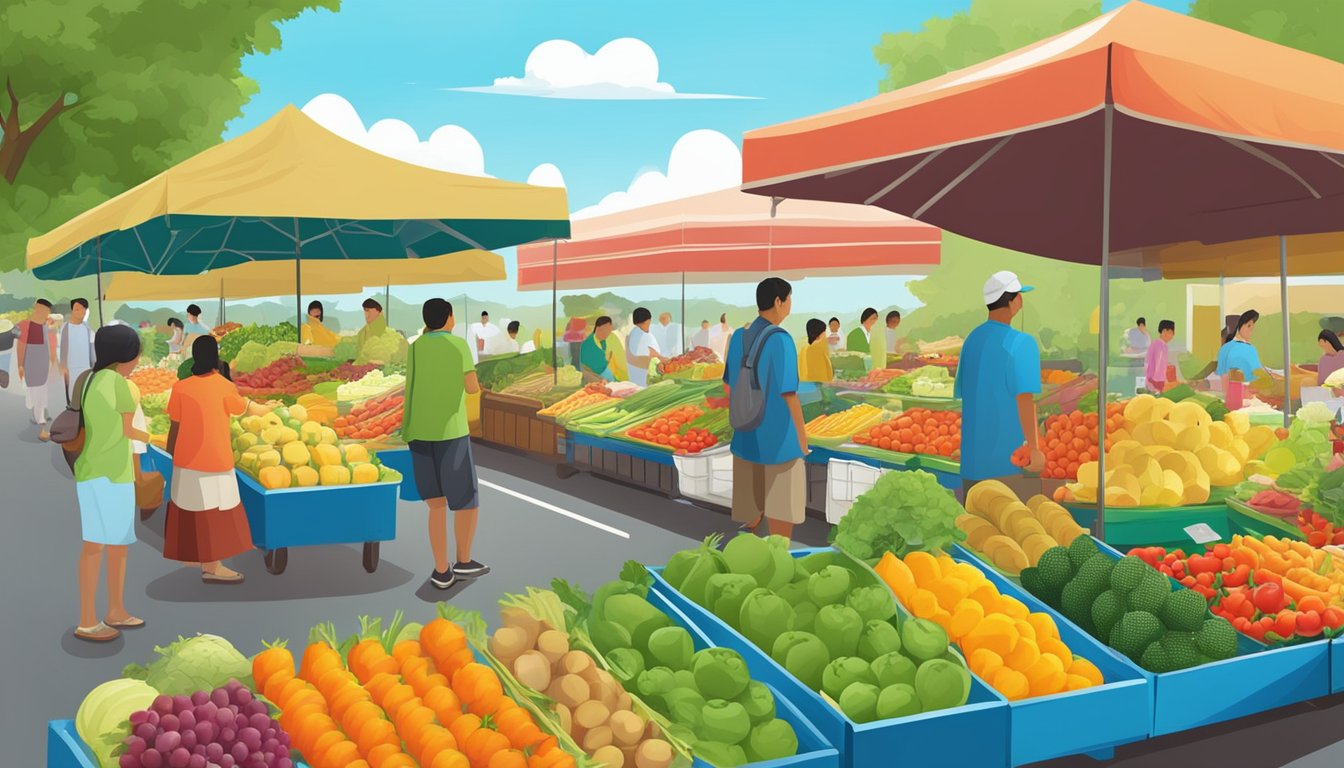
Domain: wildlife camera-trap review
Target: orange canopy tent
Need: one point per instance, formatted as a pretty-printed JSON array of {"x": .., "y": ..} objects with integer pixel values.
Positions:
[
  {"x": 728, "y": 236},
  {"x": 1139, "y": 128}
]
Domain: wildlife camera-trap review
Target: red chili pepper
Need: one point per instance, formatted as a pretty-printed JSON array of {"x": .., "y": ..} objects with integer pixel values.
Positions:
[{"x": 1238, "y": 576}]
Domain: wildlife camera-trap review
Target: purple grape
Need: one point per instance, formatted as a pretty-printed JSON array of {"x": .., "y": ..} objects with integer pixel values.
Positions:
[
  {"x": 271, "y": 744},
  {"x": 284, "y": 762},
  {"x": 196, "y": 761},
  {"x": 145, "y": 731},
  {"x": 227, "y": 735},
  {"x": 188, "y": 738},
  {"x": 205, "y": 711},
  {"x": 139, "y": 717},
  {"x": 224, "y": 717},
  {"x": 220, "y": 697},
  {"x": 186, "y": 720},
  {"x": 200, "y": 697},
  {"x": 127, "y": 760},
  {"x": 226, "y": 761},
  {"x": 151, "y": 759},
  {"x": 259, "y": 722},
  {"x": 242, "y": 695},
  {"x": 251, "y": 738},
  {"x": 135, "y": 746},
  {"x": 213, "y": 752},
  {"x": 239, "y": 752},
  {"x": 205, "y": 732},
  {"x": 170, "y": 723},
  {"x": 181, "y": 703},
  {"x": 163, "y": 704},
  {"x": 152, "y": 718},
  {"x": 179, "y": 758},
  {"x": 167, "y": 741}
]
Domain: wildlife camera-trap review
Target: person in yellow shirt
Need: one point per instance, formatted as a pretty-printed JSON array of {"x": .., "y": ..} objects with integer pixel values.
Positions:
[
  {"x": 814, "y": 361},
  {"x": 314, "y": 332}
]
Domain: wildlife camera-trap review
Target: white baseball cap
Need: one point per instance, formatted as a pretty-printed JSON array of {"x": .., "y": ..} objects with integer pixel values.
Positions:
[{"x": 1000, "y": 283}]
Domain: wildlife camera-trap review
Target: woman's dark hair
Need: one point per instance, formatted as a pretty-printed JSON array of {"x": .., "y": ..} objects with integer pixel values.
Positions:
[
  {"x": 1249, "y": 316},
  {"x": 770, "y": 290},
  {"x": 815, "y": 328},
  {"x": 435, "y": 313},
  {"x": 514, "y": 325},
  {"x": 1141, "y": 321},
  {"x": 173, "y": 322},
  {"x": 372, "y": 304},
  {"x": 115, "y": 345},
  {"x": 601, "y": 321},
  {"x": 204, "y": 355},
  {"x": 642, "y": 315},
  {"x": 867, "y": 313},
  {"x": 1331, "y": 338},
  {"x": 193, "y": 310},
  {"x": 321, "y": 315}
]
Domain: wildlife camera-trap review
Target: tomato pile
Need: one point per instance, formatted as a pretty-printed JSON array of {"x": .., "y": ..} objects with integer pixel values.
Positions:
[
  {"x": 1319, "y": 530},
  {"x": 1071, "y": 440},
  {"x": 667, "y": 430},
  {"x": 1265, "y": 613},
  {"x": 918, "y": 430},
  {"x": 373, "y": 419},
  {"x": 152, "y": 381}
]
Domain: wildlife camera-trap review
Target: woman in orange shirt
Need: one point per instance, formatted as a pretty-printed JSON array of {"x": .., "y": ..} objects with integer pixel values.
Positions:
[{"x": 205, "y": 521}]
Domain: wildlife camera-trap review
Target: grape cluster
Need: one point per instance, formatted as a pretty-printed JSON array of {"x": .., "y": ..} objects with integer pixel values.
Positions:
[{"x": 226, "y": 728}]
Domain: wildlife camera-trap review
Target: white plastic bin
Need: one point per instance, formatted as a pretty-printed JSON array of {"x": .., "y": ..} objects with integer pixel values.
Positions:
[
  {"x": 846, "y": 481},
  {"x": 706, "y": 476}
]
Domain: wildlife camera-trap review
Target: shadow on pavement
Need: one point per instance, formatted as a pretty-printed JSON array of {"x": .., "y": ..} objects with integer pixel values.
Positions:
[
  {"x": 432, "y": 594},
  {"x": 84, "y": 649},
  {"x": 313, "y": 572}
]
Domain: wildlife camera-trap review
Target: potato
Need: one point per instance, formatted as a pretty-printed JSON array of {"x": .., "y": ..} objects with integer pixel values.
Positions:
[
  {"x": 654, "y": 753},
  {"x": 533, "y": 671},
  {"x": 610, "y": 757},
  {"x": 517, "y": 618},
  {"x": 591, "y": 714},
  {"x": 569, "y": 690},
  {"x": 566, "y": 719},
  {"x": 624, "y": 702},
  {"x": 626, "y": 728},
  {"x": 652, "y": 731},
  {"x": 596, "y": 738},
  {"x": 576, "y": 663},
  {"x": 553, "y": 644},
  {"x": 508, "y": 643}
]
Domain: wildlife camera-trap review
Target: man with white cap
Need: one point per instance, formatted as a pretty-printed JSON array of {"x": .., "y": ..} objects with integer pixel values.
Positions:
[{"x": 998, "y": 377}]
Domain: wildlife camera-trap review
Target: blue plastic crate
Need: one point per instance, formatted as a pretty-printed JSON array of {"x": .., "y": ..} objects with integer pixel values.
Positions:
[
  {"x": 924, "y": 739},
  {"x": 66, "y": 750},
  {"x": 1337, "y": 665},
  {"x": 337, "y": 514},
  {"x": 813, "y": 750},
  {"x": 1257, "y": 679},
  {"x": 1094, "y": 720},
  {"x": 400, "y": 460}
]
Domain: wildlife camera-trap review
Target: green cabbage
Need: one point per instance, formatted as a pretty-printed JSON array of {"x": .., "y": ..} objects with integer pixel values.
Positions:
[
  {"x": 191, "y": 664},
  {"x": 387, "y": 347},
  {"x": 103, "y": 718},
  {"x": 903, "y": 512}
]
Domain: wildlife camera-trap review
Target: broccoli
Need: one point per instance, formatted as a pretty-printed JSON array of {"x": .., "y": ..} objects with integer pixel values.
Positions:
[
  {"x": 1080, "y": 550},
  {"x": 1152, "y": 592},
  {"x": 1095, "y": 574},
  {"x": 1031, "y": 580},
  {"x": 1127, "y": 574},
  {"x": 1076, "y": 604},
  {"x": 1155, "y": 659},
  {"x": 1106, "y": 611},
  {"x": 1055, "y": 569},
  {"x": 1184, "y": 611},
  {"x": 1217, "y": 639},
  {"x": 1135, "y": 632},
  {"x": 1182, "y": 652}
]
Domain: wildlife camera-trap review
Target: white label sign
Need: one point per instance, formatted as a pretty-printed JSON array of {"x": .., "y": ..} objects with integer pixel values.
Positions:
[{"x": 1201, "y": 533}]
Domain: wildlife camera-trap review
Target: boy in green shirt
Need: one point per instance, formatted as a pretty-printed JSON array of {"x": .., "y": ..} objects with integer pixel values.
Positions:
[{"x": 439, "y": 376}]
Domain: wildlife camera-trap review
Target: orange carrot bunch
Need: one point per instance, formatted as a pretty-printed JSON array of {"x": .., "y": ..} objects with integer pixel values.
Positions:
[{"x": 304, "y": 712}]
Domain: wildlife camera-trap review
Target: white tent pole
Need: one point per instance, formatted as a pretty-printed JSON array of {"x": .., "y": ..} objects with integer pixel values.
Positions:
[
  {"x": 1287, "y": 354},
  {"x": 1103, "y": 328}
]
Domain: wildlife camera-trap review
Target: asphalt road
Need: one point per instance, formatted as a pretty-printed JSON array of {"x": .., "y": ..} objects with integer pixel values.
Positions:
[{"x": 533, "y": 527}]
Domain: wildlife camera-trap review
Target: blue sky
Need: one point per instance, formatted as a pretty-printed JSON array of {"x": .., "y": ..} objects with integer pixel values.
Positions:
[{"x": 399, "y": 58}]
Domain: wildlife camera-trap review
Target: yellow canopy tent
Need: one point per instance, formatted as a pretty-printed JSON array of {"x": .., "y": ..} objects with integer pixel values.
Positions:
[{"x": 1319, "y": 254}]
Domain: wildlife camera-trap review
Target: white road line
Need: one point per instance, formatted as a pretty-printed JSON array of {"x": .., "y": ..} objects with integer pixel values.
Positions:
[{"x": 555, "y": 509}]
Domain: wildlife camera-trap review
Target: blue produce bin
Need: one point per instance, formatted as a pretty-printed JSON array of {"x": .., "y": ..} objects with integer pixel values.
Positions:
[
  {"x": 1257, "y": 679},
  {"x": 813, "y": 750},
  {"x": 400, "y": 460},
  {"x": 976, "y": 733},
  {"x": 1094, "y": 720},
  {"x": 66, "y": 750},
  {"x": 1337, "y": 665}
]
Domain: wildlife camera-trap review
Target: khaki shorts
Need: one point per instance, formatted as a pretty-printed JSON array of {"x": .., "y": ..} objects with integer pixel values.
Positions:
[{"x": 779, "y": 491}]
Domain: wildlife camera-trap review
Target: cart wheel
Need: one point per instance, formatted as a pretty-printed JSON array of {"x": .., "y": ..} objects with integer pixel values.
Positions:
[
  {"x": 370, "y": 556},
  {"x": 565, "y": 471},
  {"x": 277, "y": 559}
]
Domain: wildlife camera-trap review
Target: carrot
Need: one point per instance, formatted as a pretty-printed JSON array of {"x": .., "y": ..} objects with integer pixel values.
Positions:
[
  {"x": 518, "y": 726},
  {"x": 482, "y": 744},
  {"x": 478, "y": 687},
  {"x": 508, "y": 758},
  {"x": 382, "y": 752},
  {"x": 376, "y": 731},
  {"x": 358, "y": 715},
  {"x": 396, "y": 697},
  {"x": 446, "y": 705},
  {"x": 1298, "y": 591},
  {"x": 380, "y": 685},
  {"x": 407, "y": 649},
  {"x": 345, "y": 753},
  {"x": 436, "y": 739},
  {"x": 349, "y": 695},
  {"x": 318, "y": 659},
  {"x": 323, "y": 744},
  {"x": 399, "y": 760},
  {"x": 450, "y": 758},
  {"x": 442, "y": 637},
  {"x": 413, "y": 721},
  {"x": 275, "y": 658},
  {"x": 463, "y": 727},
  {"x": 288, "y": 690}
]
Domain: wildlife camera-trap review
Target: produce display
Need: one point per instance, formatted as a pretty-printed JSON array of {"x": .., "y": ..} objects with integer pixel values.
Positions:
[
  {"x": 371, "y": 384},
  {"x": 263, "y": 335},
  {"x": 541, "y": 382},
  {"x": 283, "y": 449},
  {"x": 376, "y": 419},
  {"x": 901, "y": 513},
  {"x": 220, "y": 331},
  {"x": 713, "y": 423},
  {"x": 387, "y": 348},
  {"x": 1071, "y": 441},
  {"x": 155, "y": 408},
  {"x": 296, "y": 375},
  {"x": 589, "y": 396},
  {"x": 153, "y": 380},
  {"x": 1013, "y": 649},
  {"x": 698, "y": 363},
  {"x": 1272, "y": 590},
  {"x": 638, "y": 408},
  {"x": 153, "y": 345},
  {"x": 225, "y": 727},
  {"x": 845, "y": 424},
  {"x": 1170, "y": 454},
  {"x": 1130, "y": 607},
  {"x": 1013, "y": 535},
  {"x": 318, "y": 408},
  {"x": 496, "y": 374},
  {"x": 872, "y": 380},
  {"x": 1055, "y": 377},
  {"x": 831, "y": 624},
  {"x": 926, "y": 381},
  {"x": 672, "y": 430},
  {"x": 917, "y": 430},
  {"x": 1308, "y": 439}
]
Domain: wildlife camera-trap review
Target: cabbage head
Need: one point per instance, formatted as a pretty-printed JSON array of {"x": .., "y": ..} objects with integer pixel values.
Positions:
[
  {"x": 103, "y": 719},
  {"x": 191, "y": 664}
]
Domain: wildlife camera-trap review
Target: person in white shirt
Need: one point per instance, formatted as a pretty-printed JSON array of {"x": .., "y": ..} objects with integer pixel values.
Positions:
[
  {"x": 641, "y": 348},
  {"x": 76, "y": 353},
  {"x": 893, "y": 322},
  {"x": 833, "y": 337},
  {"x": 479, "y": 337},
  {"x": 719, "y": 336},
  {"x": 668, "y": 334},
  {"x": 701, "y": 337}
]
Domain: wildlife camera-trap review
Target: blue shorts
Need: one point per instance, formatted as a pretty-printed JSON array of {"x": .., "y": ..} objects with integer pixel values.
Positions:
[
  {"x": 106, "y": 511},
  {"x": 444, "y": 469}
]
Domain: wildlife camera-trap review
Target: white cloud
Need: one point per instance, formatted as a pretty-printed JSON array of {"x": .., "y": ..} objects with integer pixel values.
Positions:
[
  {"x": 448, "y": 148},
  {"x": 701, "y": 161},
  {"x": 625, "y": 68},
  {"x": 546, "y": 175}
]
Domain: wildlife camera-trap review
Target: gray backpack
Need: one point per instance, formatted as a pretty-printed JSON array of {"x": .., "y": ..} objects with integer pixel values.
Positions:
[{"x": 746, "y": 400}]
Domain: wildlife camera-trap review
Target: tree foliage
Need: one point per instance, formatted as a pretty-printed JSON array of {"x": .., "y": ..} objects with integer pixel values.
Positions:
[
  {"x": 1314, "y": 26},
  {"x": 103, "y": 94}
]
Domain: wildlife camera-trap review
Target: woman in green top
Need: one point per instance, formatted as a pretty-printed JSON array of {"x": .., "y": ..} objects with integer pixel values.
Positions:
[{"x": 105, "y": 480}]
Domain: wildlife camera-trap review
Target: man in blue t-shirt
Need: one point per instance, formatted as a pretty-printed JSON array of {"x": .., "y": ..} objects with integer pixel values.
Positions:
[
  {"x": 998, "y": 377},
  {"x": 769, "y": 480}
]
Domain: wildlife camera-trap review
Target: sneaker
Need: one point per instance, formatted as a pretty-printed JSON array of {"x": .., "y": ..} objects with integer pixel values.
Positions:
[
  {"x": 470, "y": 569},
  {"x": 443, "y": 579}
]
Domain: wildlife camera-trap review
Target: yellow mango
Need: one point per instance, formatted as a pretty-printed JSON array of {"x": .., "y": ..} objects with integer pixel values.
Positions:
[
  {"x": 1145, "y": 433},
  {"x": 1119, "y": 496},
  {"x": 252, "y": 424},
  {"x": 355, "y": 454},
  {"x": 334, "y": 474},
  {"x": 1238, "y": 422},
  {"x": 1259, "y": 439},
  {"x": 329, "y": 436},
  {"x": 326, "y": 455},
  {"x": 363, "y": 474},
  {"x": 244, "y": 441},
  {"x": 274, "y": 477},
  {"x": 1123, "y": 450},
  {"x": 1181, "y": 462},
  {"x": 271, "y": 435},
  {"x": 295, "y": 454},
  {"x": 271, "y": 419},
  {"x": 977, "y": 498},
  {"x": 1147, "y": 470},
  {"x": 270, "y": 458},
  {"x": 1220, "y": 435},
  {"x": 310, "y": 432},
  {"x": 1189, "y": 414},
  {"x": 305, "y": 477},
  {"x": 1140, "y": 409},
  {"x": 248, "y": 463},
  {"x": 1193, "y": 437},
  {"x": 1087, "y": 474},
  {"x": 1161, "y": 409},
  {"x": 286, "y": 436},
  {"x": 1240, "y": 451},
  {"x": 298, "y": 412}
]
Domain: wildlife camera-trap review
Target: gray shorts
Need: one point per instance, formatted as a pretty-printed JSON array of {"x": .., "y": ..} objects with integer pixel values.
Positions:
[{"x": 444, "y": 469}]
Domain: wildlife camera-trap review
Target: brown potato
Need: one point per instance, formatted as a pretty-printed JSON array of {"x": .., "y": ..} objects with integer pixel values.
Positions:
[
  {"x": 508, "y": 643},
  {"x": 520, "y": 619},
  {"x": 626, "y": 728},
  {"x": 654, "y": 753},
  {"x": 553, "y": 644},
  {"x": 609, "y": 757},
  {"x": 566, "y": 719},
  {"x": 591, "y": 714},
  {"x": 569, "y": 690},
  {"x": 533, "y": 671},
  {"x": 596, "y": 738},
  {"x": 624, "y": 702},
  {"x": 576, "y": 663}
]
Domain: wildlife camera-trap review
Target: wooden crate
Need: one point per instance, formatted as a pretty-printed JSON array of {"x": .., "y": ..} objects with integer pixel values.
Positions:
[{"x": 513, "y": 422}]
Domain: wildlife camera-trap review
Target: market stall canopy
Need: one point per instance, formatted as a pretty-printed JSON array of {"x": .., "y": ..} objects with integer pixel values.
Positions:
[
  {"x": 729, "y": 236},
  {"x": 1216, "y": 136},
  {"x": 1319, "y": 254},
  {"x": 247, "y": 198},
  {"x": 257, "y": 279}
]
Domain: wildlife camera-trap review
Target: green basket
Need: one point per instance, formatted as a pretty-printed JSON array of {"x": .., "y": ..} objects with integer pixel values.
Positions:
[
  {"x": 1246, "y": 521},
  {"x": 1154, "y": 526}
]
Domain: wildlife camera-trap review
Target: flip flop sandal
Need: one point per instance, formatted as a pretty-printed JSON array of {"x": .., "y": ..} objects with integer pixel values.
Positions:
[
  {"x": 98, "y": 633},
  {"x": 210, "y": 578},
  {"x": 130, "y": 622}
]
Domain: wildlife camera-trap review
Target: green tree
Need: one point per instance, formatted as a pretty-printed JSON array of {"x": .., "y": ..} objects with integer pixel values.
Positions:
[
  {"x": 1314, "y": 26},
  {"x": 102, "y": 94}
]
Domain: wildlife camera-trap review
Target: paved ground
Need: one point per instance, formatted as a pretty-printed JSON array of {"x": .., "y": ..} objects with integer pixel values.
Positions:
[{"x": 46, "y": 673}]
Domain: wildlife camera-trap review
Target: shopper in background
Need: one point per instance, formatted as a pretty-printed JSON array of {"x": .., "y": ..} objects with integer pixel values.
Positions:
[
  {"x": 36, "y": 356},
  {"x": 205, "y": 522},
  {"x": 1238, "y": 360},
  {"x": 998, "y": 377},
  {"x": 857, "y": 341},
  {"x": 76, "y": 354},
  {"x": 375, "y": 325},
  {"x": 481, "y": 337},
  {"x": 719, "y": 336},
  {"x": 178, "y": 336},
  {"x": 439, "y": 376},
  {"x": 105, "y": 481},
  {"x": 701, "y": 337},
  {"x": 314, "y": 332},
  {"x": 893, "y": 342},
  {"x": 814, "y": 362},
  {"x": 668, "y": 335},
  {"x": 833, "y": 337},
  {"x": 594, "y": 357},
  {"x": 877, "y": 344},
  {"x": 769, "y": 480},
  {"x": 1332, "y": 355},
  {"x": 194, "y": 325},
  {"x": 641, "y": 348},
  {"x": 1136, "y": 339},
  {"x": 1156, "y": 359}
]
